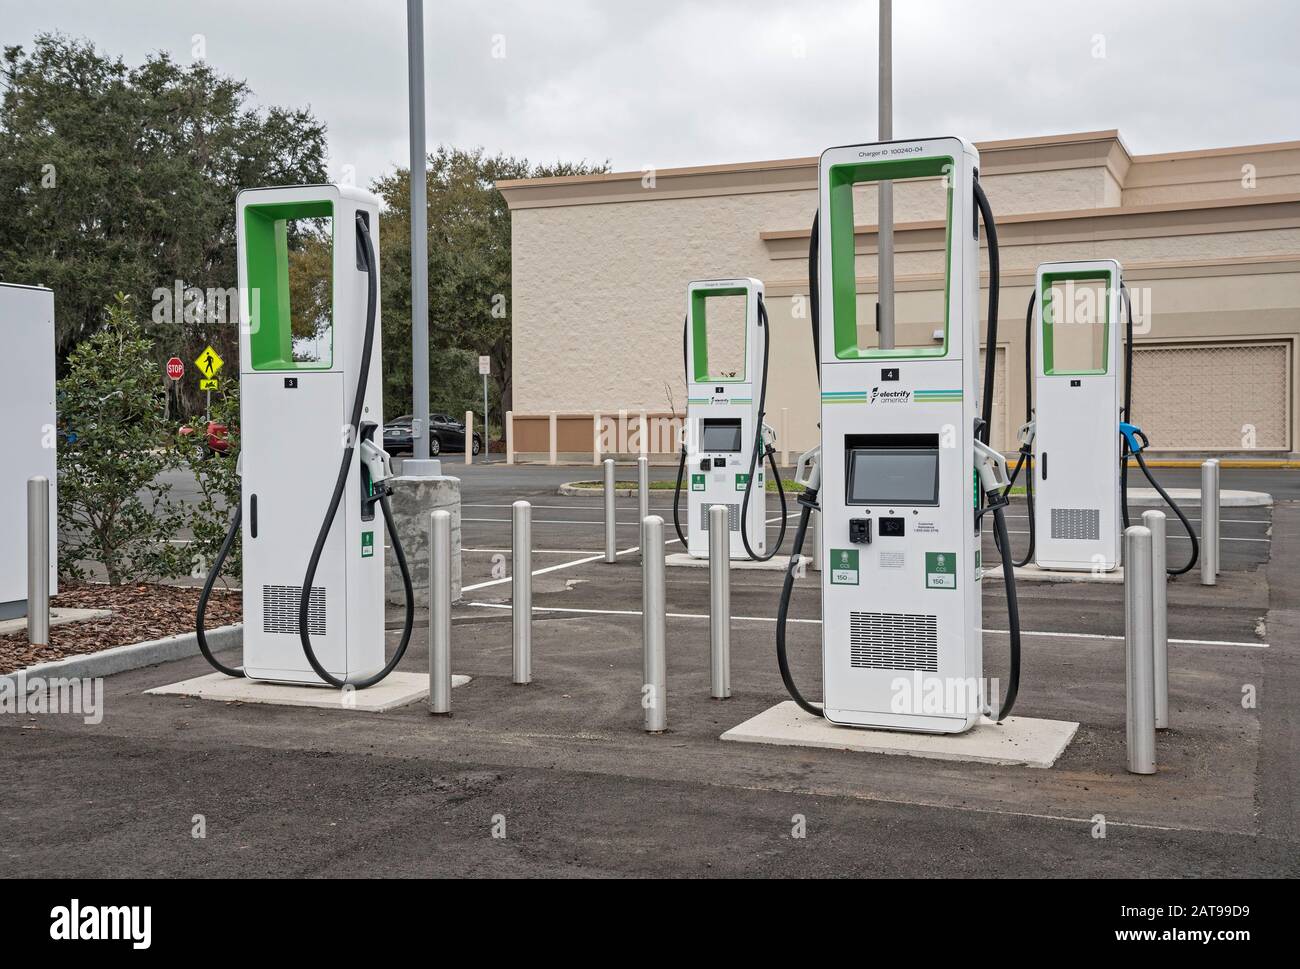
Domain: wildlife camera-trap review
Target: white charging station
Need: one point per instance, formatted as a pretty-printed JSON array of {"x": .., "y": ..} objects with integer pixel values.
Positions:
[
  {"x": 296, "y": 394},
  {"x": 28, "y": 434},
  {"x": 901, "y": 590},
  {"x": 1077, "y": 383},
  {"x": 904, "y": 475},
  {"x": 722, "y": 422}
]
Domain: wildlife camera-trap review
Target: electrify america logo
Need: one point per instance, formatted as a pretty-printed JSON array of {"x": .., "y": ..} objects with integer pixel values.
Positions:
[{"x": 879, "y": 396}]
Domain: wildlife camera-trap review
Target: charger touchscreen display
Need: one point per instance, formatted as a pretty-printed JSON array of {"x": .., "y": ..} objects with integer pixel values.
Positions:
[
  {"x": 720, "y": 435},
  {"x": 902, "y": 476}
]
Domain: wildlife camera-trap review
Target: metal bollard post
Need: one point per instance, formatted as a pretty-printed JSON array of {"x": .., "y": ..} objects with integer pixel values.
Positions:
[
  {"x": 510, "y": 437},
  {"x": 1218, "y": 518},
  {"x": 440, "y": 613},
  {"x": 1155, "y": 521},
  {"x": 1139, "y": 656},
  {"x": 469, "y": 436},
  {"x": 521, "y": 599},
  {"x": 654, "y": 699},
  {"x": 719, "y": 604},
  {"x": 1210, "y": 522},
  {"x": 642, "y": 492},
  {"x": 38, "y": 561},
  {"x": 611, "y": 553}
]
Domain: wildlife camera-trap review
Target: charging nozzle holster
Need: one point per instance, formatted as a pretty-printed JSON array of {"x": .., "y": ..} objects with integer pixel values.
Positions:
[{"x": 376, "y": 469}]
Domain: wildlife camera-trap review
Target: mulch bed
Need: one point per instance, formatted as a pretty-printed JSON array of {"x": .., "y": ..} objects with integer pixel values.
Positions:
[{"x": 140, "y": 613}]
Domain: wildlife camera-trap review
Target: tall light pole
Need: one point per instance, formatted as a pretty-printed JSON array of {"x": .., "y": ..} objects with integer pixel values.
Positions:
[
  {"x": 419, "y": 464},
  {"x": 885, "y": 220}
]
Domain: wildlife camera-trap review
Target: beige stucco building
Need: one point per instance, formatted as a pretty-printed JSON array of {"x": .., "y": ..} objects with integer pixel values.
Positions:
[{"x": 1209, "y": 240}]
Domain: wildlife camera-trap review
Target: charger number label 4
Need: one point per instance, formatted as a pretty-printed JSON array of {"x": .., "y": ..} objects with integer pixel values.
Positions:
[
  {"x": 941, "y": 570},
  {"x": 844, "y": 566}
]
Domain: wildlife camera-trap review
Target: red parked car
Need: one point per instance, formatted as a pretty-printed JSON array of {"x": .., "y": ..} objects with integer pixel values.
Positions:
[{"x": 218, "y": 441}]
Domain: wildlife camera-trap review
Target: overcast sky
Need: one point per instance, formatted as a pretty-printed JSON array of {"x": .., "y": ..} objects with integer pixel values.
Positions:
[{"x": 684, "y": 83}]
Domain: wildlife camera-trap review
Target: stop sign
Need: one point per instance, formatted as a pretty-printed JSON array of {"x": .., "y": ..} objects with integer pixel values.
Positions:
[{"x": 175, "y": 368}]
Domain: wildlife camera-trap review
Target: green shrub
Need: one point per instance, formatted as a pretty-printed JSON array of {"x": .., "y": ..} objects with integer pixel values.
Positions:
[{"x": 114, "y": 509}]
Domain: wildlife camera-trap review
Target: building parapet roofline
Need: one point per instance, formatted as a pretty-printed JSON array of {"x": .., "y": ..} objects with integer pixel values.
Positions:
[
  {"x": 1114, "y": 211},
  {"x": 1005, "y": 144}
]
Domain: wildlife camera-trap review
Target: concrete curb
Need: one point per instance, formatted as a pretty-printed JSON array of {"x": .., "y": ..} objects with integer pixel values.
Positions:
[
  {"x": 571, "y": 489},
  {"x": 1228, "y": 498},
  {"x": 134, "y": 656}
]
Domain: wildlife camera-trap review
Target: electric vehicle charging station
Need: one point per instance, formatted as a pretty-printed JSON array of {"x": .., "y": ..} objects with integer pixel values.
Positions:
[
  {"x": 1076, "y": 400},
  {"x": 1077, "y": 384},
  {"x": 903, "y": 461},
  {"x": 725, "y": 440},
  {"x": 311, "y": 419},
  {"x": 28, "y": 436}
]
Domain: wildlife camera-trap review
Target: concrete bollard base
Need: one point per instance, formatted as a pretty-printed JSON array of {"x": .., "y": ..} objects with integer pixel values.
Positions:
[{"x": 412, "y": 501}]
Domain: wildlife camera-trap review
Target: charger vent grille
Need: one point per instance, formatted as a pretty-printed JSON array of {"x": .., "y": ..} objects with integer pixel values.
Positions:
[
  {"x": 733, "y": 515},
  {"x": 280, "y": 609},
  {"x": 894, "y": 641},
  {"x": 1076, "y": 524}
]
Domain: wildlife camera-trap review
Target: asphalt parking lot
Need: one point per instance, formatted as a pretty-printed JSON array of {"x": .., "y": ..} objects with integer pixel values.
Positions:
[{"x": 563, "y": 769}]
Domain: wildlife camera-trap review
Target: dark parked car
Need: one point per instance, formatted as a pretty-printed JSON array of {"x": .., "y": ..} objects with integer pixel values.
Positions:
[{"x": 445, "y": 434}]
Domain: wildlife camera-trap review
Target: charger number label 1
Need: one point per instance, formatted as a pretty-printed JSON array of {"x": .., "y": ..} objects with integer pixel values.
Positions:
[
  {"x": 940, "y": 570},
  {"x": 844, "y": 566},
  {"x": 367, "y": 544}
]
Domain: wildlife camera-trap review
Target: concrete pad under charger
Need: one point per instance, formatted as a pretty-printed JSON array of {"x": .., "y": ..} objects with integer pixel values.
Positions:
[
  {"x": 1019, "y": 741},
  {"x": 397, "y": 690},
  {"x": 1032, "y": 573}
]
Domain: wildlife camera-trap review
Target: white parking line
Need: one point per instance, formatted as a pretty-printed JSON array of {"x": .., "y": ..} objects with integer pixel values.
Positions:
[
  {"x": 601, "y": 523},
  {"x": 536, "y": 551},
  {"x": 555, "y": 521},
  {"x": 582, "y": 561},
  {"x": 817, "y": 622},
  {"x": 478, "y": 504}
]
